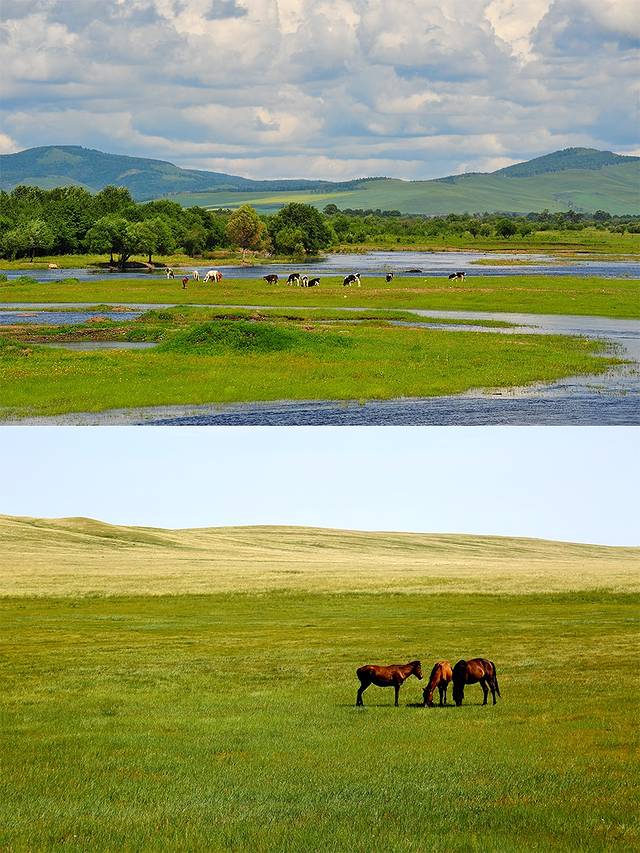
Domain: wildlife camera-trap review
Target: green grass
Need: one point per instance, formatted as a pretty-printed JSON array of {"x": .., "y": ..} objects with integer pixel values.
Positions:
[
  {"x": 522, "y": 293},
  {"x": 236, "y": 361},
  {"x": 226, "y": 722}
]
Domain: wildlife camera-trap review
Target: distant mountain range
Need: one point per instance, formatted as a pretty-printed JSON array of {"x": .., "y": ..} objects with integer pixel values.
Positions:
[{"x": 584, "y": 179}]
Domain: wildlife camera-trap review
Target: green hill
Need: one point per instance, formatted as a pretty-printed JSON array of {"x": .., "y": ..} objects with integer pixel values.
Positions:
[{"x": 584, "y": 179}]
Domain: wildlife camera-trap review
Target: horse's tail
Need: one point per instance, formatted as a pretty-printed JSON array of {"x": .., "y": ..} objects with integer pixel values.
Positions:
[{"x": 495, "y": 679}]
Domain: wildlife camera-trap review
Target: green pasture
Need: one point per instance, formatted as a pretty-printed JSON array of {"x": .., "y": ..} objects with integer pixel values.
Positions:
[
  {"x": 227, "y": 722},
  {"x": 522, "y": 293},
  {"x": 202, "y": 357}
]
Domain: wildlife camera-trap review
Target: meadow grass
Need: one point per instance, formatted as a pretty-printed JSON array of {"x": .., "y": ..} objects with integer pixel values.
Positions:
[
  {"x": 521, "y": 293},
  {"x": 237, "y": 360},
  {"x": 227, "y": 722}
]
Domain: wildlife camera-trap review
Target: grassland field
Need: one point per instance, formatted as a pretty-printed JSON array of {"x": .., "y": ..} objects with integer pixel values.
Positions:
[
  {"x": 595, "y": 296},
  {"x": 195, "y": 690},
  {"x": 212, "y": 355}
]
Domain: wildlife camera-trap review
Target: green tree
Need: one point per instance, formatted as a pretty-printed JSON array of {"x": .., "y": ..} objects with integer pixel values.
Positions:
[
  {"x": 29, "y": 237},
  {"x": 114, "y": 234},
  {"x": 194, "y": 240},
  {"x": 506, "y": 227},
  {"x": 245, "y": 229},
  {"x": 288, "y": 240},
  {"x": 316, "y": 233}
]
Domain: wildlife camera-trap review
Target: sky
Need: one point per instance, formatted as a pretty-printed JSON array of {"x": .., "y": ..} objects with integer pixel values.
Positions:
[
  {"x": 321, "y": 88},
  {"x": 572, "y": 484}
]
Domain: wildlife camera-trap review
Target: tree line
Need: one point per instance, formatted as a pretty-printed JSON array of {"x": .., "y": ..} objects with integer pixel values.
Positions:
[{"x": 70, "y": 220}]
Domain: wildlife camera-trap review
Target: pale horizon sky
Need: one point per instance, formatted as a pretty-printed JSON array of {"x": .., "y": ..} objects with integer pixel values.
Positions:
[
  {"x": 562, "y": 483},
  {"x": 332, "y": 89}
]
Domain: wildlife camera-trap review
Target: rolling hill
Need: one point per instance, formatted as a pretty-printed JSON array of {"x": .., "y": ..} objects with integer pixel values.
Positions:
[
  {"x": 584, "y": 179},
  {"x": 77, "y": 556}
]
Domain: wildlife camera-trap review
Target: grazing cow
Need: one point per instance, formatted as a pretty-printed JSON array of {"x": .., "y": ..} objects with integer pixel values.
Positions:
[
  {"x": 185, "y": 282},
  {"x": 441, "y": 675},
  {"x": 213, "y": 275},
  {"x": 458, "y": 276},
  {"x": 304, "y": 281},
  {"x": 170, "y": 273},
  {"x": 272, "y": 278},
  {"x": 53, "y": 266},
  {"x": 313, "y": 282},
  {"x": 294, "y": 278},
  {"x": 386, "y": 676},
  {"x": 352, "y": 278},
  {"x": 196, "y": 275},
  {"x": 388, "y": 277},
  {"x": 474, "y": 671}
]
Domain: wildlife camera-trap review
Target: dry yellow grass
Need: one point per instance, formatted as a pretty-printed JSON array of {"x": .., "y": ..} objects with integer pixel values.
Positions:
[{"x": 78, "y": 556}]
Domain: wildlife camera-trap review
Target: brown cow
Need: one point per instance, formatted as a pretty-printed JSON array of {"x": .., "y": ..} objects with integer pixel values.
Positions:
[
  {"x": 474, "y": 671},
  {"x": 393, "y": 675},
  {"x": 441, "y": 675}
]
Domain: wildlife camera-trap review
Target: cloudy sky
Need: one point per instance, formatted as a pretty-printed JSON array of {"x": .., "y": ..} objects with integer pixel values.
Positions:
[{"x": 321, "y": 88}]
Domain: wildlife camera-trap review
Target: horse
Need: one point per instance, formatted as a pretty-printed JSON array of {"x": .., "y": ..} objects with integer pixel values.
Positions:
[
  {"x": 313, "y": 282},
  {"x": 474, "y": 671},
  {"x": 170, "y": 273},
  {"x": 294, "y": 278},
  {"x": 440, "y": 677},
  {"x": 352, "y": 278},
  {"x": 185, "y": 282},
  {"x": 196, "y": 275},
  {"x": 213, "y": 275},
  {"x": 458, "y": 276},
  {"x": 386, "y": 676},
  {"x": 272, "y": 278},
  {"x": 388, "y": 277}
]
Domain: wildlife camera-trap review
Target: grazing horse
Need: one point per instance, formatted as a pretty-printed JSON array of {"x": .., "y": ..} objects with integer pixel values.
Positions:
[
  {"x": 352, "y": 278},
  {"x": 386, "y": 676},
  {"x": 213, "y": 275},
  {"x": 294, "y": 278},
  {"x": 170, "y": 273},
  {"x": 185, "y": 282},
  {"x": 441, "y": 675},
  {"x": 313, "y": 282},
  {"x": 388, "y": 277},
  {"x": 196, "y": 275},
  {"x": 272, "y": 278},
  {"x": 472, "y": 672},
  {"x": 458, "y": 276}
]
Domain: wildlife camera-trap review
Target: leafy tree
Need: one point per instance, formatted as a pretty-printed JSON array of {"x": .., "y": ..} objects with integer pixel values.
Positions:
[
  {"x": 506, "y": 227},
  {"x": 28, "y": 237},
  {"x": 113, "y": 200},
  {"x": 144, "y": 236},
  {"x": 295, "y": 215},
  {"x": 114, "y": 234},
  {"x": 194, "y": 240},
  {"x": 246, "y": 229},
  {"x": 14, "y": 243},
  {"x": 289, "y": 240}
]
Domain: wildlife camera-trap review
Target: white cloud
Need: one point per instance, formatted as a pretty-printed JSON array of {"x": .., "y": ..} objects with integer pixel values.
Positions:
[{"x": 321, "y": 88}]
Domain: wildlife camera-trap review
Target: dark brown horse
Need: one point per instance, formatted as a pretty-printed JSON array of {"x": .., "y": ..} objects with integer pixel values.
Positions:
[
  {"x": 477, "y": 670},
  {"x": 393, "y": 675},
  {"x": 441, "y": 675}
]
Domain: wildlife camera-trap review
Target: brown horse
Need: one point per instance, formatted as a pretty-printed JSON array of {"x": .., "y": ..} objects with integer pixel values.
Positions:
[
  {"x": 474, "y": 671},
  {"x": 387, "y": 676},
  {"x": 441, "y": 675}
]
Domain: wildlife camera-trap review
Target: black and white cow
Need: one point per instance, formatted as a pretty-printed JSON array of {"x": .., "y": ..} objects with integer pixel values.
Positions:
[
  {"x": 272, "y": 278},
  {"x": 170, "y": 273},
  {"x": 313, "y": 282},
  {"x": 294, "y": 278},
  {"x": 388, "y": 277},
  {"x": 352, "y": 278},
  {"x": 458, "y": 276}
]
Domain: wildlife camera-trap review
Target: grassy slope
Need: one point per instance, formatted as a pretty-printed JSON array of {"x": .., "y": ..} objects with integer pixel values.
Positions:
[
  {"x": 234, "y": 362},
  {"x": 80, "y": 556},
  {"x": 612, "y": 188},
  {"x": 526, "y": 293},
  {"x": 226, "y": 721}
]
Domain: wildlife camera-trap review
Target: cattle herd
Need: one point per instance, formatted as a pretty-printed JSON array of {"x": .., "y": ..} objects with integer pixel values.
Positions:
[
  {"x": 475, "y": 671},
  {"x": 294, "y": 278}
]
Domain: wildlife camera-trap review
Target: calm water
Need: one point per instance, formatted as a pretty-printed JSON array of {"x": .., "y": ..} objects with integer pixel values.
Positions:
[
  {"x": 60, "y": 318},
  {"x": 378, "y": 263}
]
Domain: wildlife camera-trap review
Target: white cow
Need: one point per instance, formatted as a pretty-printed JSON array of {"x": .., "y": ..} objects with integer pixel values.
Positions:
[
  {"x": 195, "y": 275},
  {"x": 213, "y": 275}
]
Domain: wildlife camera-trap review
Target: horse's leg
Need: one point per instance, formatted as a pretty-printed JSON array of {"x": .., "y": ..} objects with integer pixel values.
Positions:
[
  {"x": 361, "y": 690},
  {"x": 441, "y": 692},
  {"x": 492, "y": 685},
  {"x": 485, "y": 690},
  {"x": 396, "y": 687}
]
